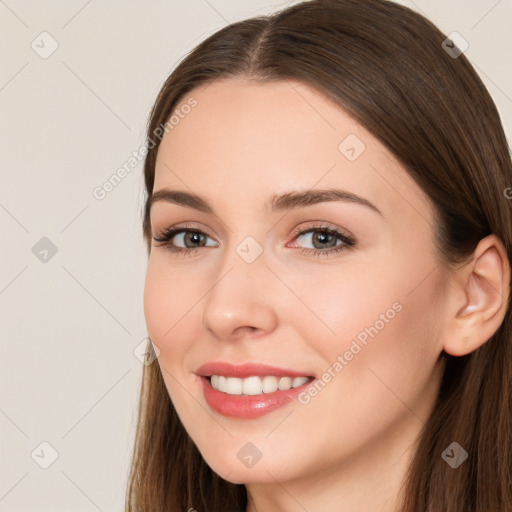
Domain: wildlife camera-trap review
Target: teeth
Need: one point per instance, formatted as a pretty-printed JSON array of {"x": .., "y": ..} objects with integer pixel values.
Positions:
[
  {"x": 285, "y": 383},
  {"x": 270, "y": 384},
  {"x": 255, "y": 385},
  {"x": 298, "y": 381},
  {"x": 250, "y": 386}
]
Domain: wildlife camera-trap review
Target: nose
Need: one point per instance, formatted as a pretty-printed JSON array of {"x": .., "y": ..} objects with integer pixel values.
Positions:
[{"x": 239, "y": 303}]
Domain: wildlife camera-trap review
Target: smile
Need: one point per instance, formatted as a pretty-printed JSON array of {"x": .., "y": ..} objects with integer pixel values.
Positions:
[
  {"x": 255, "y": 385},
  {"x": 250, "y": 390}
]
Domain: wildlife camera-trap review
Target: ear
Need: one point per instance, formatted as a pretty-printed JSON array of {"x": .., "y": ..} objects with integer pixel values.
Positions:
[{"x": 478, "y": 298}]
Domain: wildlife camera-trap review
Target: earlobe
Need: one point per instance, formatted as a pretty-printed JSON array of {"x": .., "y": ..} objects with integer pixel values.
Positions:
[{"x": 485, "y": 286}]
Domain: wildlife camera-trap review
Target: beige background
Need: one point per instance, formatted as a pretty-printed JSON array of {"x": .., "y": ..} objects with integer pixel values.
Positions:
[{"x": 69, "y": 325}]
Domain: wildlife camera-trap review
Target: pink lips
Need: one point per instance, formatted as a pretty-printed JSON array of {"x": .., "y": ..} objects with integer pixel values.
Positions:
[
  {"x": 246, "y": 406},
  {"x": 246, "y": 370}
]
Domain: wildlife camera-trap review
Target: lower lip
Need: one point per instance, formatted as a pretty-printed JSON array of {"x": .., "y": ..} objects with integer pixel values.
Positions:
[{"x": 248, "y": 406}]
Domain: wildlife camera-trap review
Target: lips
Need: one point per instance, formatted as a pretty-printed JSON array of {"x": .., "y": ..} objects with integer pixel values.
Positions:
[
  {"x": 247, "y": 370},
  {"x": 249, "y": 406}
]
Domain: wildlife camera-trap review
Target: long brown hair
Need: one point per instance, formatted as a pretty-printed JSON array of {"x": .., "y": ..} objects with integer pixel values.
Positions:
[{"x": 387, "y": 67}]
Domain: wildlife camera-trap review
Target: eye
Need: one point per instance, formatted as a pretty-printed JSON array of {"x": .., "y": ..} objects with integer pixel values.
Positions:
[
  {"x": 325, "y": 240},
  {"x": 186, "y": 241}
]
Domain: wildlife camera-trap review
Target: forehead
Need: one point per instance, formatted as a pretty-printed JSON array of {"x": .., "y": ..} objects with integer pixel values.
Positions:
[{"x": 277, "y": 136}]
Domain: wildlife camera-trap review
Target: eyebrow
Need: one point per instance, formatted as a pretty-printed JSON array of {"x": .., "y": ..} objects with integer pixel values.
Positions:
[{"x": 278, "y": 203}]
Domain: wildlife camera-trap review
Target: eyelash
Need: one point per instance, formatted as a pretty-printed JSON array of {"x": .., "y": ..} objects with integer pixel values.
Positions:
[{"x": 348, "y": 241}]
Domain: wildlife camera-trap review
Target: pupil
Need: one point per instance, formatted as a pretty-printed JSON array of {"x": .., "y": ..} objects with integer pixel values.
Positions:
[
  {"x": 194, "y": 237},
  {"x": 322, "y": 238}
]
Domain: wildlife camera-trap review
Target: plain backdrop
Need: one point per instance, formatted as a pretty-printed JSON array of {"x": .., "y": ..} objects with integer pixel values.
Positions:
[{"x": 77, "y": 82}]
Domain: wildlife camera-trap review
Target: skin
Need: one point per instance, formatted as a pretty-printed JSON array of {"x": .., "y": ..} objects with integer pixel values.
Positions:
[{"x": 348, "y": 448}]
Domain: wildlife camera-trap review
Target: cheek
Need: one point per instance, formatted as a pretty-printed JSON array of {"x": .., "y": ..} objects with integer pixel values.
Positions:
[
  {"x": 390, "y": 349},
  {"x": 155, "y": 303},
  {"x": 164, "y": 306},
  {"x": 163, "y": 302},
  {"x": 171, "y": 310},
  {"x": 387, "y": 299},
  {"x": 384, "y": 382},
  {"x": 383, "y": 324},
  {"x": 344, "y": 305}
]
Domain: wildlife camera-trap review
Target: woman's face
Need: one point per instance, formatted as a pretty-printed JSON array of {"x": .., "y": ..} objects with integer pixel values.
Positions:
[{"x": 355, "y": 311}]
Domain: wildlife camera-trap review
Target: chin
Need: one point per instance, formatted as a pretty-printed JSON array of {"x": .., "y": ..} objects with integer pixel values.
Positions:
[
  {"x": 236, "y": 471},
  {"x": 249, "y": 475}
]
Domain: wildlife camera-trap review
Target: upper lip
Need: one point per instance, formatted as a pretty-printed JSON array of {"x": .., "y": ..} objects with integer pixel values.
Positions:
[{"x": 246, "y": 370}]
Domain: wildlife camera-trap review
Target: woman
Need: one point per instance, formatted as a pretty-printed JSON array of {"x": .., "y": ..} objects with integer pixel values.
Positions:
[{"x": 327, "y": 290}]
